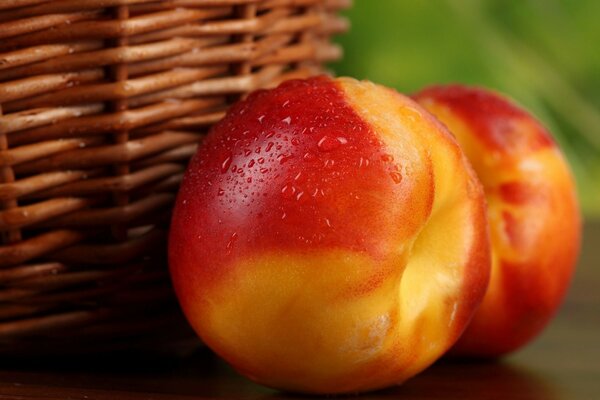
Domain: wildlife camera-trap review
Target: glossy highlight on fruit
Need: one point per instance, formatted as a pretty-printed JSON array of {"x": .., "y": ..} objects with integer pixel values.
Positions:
[
  {"x": 329, "y": 237},
  {"x": 533, "y": 213}
]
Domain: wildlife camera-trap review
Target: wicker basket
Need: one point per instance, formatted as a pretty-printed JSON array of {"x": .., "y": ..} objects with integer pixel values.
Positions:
[{"x": 102, "y": 102}]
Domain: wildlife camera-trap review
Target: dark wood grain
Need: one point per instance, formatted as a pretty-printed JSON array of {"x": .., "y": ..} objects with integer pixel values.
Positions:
[{"x": 563, "y": 364}]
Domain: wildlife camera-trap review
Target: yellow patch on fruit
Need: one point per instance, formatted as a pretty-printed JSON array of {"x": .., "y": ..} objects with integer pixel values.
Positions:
[{"x": 304, "y": 304}]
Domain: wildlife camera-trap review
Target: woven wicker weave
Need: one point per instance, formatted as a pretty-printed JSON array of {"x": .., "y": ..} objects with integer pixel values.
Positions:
[{"x": 102, "y": 102}]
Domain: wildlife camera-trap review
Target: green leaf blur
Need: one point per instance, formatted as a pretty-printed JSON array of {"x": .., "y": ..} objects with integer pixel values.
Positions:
[{"x": 543, "y": 53}]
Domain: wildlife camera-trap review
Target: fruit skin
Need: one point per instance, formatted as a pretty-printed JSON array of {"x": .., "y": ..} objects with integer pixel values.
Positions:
[
  {"x": 329, "y": 237},
  {"x": 533, "y": 213}
]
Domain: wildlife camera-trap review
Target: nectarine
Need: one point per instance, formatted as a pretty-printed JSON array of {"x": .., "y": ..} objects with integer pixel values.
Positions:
[
  {"x": 329, "y": 236},
  {"x": 533, "y": 213}
]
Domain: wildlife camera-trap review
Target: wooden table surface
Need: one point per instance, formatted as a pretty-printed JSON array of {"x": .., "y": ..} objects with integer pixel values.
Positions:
[{"x": 564, "y": 363}]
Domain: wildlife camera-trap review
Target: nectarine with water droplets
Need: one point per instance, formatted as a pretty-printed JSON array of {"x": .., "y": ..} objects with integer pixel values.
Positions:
[{"x": 329, "y": 237}]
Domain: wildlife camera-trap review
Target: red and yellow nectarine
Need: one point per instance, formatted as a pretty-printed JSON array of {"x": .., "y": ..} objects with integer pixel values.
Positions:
[
  {"x": 329, "y": 236},
  {"x": 533, "y": 213}
]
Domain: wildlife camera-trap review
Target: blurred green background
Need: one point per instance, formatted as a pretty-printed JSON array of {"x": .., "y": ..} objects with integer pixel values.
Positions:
[{"x": 543, "y": 53}]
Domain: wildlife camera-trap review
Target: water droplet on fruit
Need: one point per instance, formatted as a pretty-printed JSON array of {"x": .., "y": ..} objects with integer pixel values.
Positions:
[
  {"x": 264, "y": 170},
  {"x": 269, "y": 146},
  {"x": 396, "y": 177},
  {"x": 251, "y": 163},
  {"x": 260, "y": 119},
  {"x": 299, "y": 196},
  {"x": 288, "y": 191},
  {"x": 249, "y": 180},
  {"x": 387, "y": 158},
  {"x": 327, "y": 222},
  {"x": 295, "y": 141},
  {"x": 282, "y": 158},
  {"x": 412, "y": 113},
  {"x": 298, "y": 175},
  {"x": 287, "y": 120},
  {"x": 247, "y": 152},
  {"x": 221, "y": 192},
  {"x": 231, "y": 242},
  {"x": 309, "y": 156},
  {"x": 328, "y": 143},
  {"x": 261, "y": 160},
  {"x": 225, "y": 164}
]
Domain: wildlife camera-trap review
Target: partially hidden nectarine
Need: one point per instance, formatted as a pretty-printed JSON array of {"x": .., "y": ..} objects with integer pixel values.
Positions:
[
  {"x": 533, "y": 214},
  {"x": 329, "y": 237}
]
